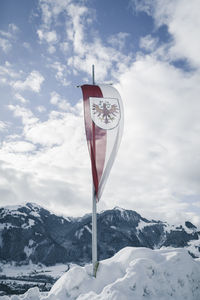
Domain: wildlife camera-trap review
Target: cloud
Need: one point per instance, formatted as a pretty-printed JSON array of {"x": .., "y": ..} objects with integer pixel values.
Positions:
[
  {"x": 61, "y": 72},
  {"x": 159, "y": 153},
  {"x": 3, "y": 126},
  {"x": 143, "y": 5},
  {"x": 94, "y": 52},
  {"x": 86, "y": 47},
  {"x": 10, "y": 34},
  {"x": 6, "y": 37},
  {"x": 24, "y": 113},
  {"x": 64, "y": 47},
  {"x": 182, "y": 20},
  {"x": 7, "y": 70},
  {"x": 5, "y": 45},
  {"x": 48, "y": 36},
  {"x": 63, "y": 104},
  {"x": 27, "y": 46},
  {"x": 33, "y": 82},
  {"x": 41, "y": 108},
  {"x": 20, "y": 98},
  {"x": 118, "y": 40},
  {"x": 18, "y": 146},
  {"x": 7, "y": 74},
  {"x": 13, "y": 28},
  {"x": 148, "y": 43},
  {"x": 57, "y": 170}
]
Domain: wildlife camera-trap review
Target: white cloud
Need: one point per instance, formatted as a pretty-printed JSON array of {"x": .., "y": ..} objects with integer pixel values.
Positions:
[
  {"x": 118, "y": 40},
  {"x": 61, "y": 73},
  {"x": 143, "y": 5},
  {"x": 20, "y": 98},
  {"x": 25, "y": 114},
  {"x": 51, "y": 49},
  {"x": 7, "y": 73},
  {"x": 159, "y": 155},
  {"x": 7, "y": 37},
  {"x": 3, "y": 125},
  {"x": 61, "y": 103},
  {"x": 18, "y": 147},
  {"x": 33, "y": 82},
  {"x": 48, "y": 36},
  {"x": 13, "y": 28},
  {"x": 7, "y": 70},
  {"x": 78, "y": 30},
  {"x": 57, "y": 129},
  {"x": 27, "y": 46},
  {"x": 183, "y": 21},
  {"x": 11, "y": 33},
  {"x": 5, "y": 45},
  {"x": 5, "y": 34},
  {"x": 58, "y": 169},
  {"x": 64, "y": 47},
  {"x": 41, "y": 108},
  {"x": 51, "y": 9},
  {"x": 148, "y": 43}
]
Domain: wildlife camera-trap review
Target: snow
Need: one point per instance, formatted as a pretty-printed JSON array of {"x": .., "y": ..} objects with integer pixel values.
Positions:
[
  {"x": 35, "y": 214},
  {"x": 11, "y": 270},
  {"x": 123, "y": 212},
  {"x": 88, "y": 229},
  {"x": 1, "y": 239},
  {"x": 133, "y": 273},
  {"x": 142, "y": 225},
  {"x": 13, "y": 209},
  {"x": 29, "y": 249},
  {"x": 193, "y": 247},
  {"x": 113, "y": 227},
  {"x": 31, "y": 223},
  {"x": 79, "y": 233}
]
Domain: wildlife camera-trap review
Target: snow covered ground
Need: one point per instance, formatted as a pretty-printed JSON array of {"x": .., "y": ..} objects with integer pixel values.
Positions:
[
  {"x": 133, "y": 273},
  {"x": 11, "y": 270}
]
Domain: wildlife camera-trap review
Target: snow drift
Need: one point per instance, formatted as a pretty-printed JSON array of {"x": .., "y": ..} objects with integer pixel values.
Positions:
[{"x": 133, "y": 273}]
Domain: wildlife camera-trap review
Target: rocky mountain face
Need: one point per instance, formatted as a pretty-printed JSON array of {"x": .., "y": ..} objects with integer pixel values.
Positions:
[{"x": 31, "y": 232}]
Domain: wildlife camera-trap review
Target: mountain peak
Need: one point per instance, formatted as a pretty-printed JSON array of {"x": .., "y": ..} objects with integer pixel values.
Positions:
[{"x": 34, "y": 206}]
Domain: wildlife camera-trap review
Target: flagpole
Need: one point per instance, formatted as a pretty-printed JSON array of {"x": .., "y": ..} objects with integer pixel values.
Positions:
[{"x": 94, "y": 210}]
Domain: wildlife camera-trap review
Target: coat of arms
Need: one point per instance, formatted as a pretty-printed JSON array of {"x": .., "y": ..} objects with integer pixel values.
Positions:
[{"x": 105, "y": 112}]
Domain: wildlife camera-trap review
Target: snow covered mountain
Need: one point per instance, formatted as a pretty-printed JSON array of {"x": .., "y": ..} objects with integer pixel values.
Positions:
[{"x": 32, "y": 233}]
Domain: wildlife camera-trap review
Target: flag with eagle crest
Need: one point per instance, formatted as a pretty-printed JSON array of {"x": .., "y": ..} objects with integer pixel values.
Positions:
[{"x": 103, "y": 112}]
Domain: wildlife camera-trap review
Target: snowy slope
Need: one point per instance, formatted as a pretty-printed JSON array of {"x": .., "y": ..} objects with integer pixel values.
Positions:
[{"x": 132, "y": 273}]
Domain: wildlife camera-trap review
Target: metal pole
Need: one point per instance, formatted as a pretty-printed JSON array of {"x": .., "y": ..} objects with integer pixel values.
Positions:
[
  {"x": 94, "y": 211},
  {"x": 94, "y": 233},
  {"x": 93, "y": 78}
]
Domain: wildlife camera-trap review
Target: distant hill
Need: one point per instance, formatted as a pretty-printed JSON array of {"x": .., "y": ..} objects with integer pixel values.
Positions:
[{"x": 31, "y": 232}]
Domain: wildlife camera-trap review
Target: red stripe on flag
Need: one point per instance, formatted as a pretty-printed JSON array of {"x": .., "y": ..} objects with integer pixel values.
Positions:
[{"x": 96, "y": 137}]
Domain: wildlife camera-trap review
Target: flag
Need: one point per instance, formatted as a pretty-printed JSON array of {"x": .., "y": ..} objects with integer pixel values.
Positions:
[{"x": 104, "y": 119}]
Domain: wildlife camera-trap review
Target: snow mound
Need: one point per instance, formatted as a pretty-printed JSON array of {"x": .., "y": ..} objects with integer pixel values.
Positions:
[{"x": 133, "y": 273}]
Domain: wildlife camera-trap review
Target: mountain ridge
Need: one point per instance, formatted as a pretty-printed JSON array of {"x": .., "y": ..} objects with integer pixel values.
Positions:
[{"x": 32, "y": 233}]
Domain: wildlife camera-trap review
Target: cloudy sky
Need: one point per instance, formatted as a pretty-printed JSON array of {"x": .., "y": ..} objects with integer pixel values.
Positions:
[{"x": 149, "y": 49}]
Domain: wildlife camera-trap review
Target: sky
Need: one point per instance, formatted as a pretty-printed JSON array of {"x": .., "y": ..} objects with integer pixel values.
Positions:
[{"x": 149, "y": 50}]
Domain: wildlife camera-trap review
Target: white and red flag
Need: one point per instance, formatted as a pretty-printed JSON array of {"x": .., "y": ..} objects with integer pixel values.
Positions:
[{"x": 103, "y": 111}]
